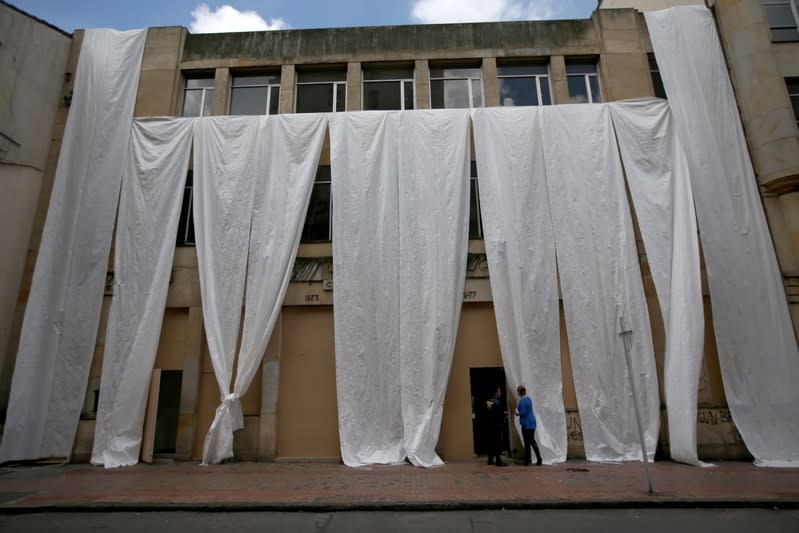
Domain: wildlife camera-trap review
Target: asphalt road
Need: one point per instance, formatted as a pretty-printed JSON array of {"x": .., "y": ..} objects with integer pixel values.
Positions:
[{"x": 610, "y": 520}]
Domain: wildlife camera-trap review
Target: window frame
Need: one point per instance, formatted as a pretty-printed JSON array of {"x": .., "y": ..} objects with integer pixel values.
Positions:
[
  {"x": 793, "y": 80},
  {"x": 469, "y": 81},
  {"x": 204, "y": 91},
  {"x": 536, "y": 77},
  {"x": 586, "y": 79},
  {"x": 335, "y": 83},
  {"x": 317, "y": 182},
  {"x": 269, "y": 87},
  {"x": 187, "y": 214},
  {"x": 401, "y": 81}
]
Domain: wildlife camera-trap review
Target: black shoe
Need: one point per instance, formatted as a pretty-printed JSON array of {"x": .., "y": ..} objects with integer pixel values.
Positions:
[
  {"x": 538, "y": 463},
  {"x": 502, "y": 464},
  {"x": 527, "y": 463}
]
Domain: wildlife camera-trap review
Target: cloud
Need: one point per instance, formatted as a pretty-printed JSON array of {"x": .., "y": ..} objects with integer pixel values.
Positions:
[
  {"x": 227, "y": 19},
  {"x": 442, "y": 11}
]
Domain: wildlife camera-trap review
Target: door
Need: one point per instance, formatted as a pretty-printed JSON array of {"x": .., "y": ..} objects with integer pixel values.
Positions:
[{"x": 484, "y": 381}]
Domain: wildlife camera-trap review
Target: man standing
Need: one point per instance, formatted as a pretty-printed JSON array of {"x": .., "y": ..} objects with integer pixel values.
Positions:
[
  {"x": 496, "y": 420},
  {"x": 527, "y": 420}
]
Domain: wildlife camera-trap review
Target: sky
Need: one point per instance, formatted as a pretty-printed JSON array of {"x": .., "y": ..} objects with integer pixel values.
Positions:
[{"x": 206, "y": 16}]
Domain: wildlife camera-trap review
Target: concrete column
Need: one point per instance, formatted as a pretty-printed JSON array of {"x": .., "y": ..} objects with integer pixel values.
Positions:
[
  {"x": 557, "y": 78},
  {"x": 221, "y": 92},
  {"x": 190, "y": 387},
  {"x": 623, "y": 63},
  {"x": 490, "y": 82},
  {"x": 354, "y": 86},
  {"x": 422, "y": 74},
  {"x": 160, "y": 80},
  {"x": 287, "y": 76},
  {"x": 270, "y": 393}
]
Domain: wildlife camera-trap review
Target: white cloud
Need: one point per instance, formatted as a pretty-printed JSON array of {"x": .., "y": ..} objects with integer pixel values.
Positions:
[
  {"x": 227, "y": 18},
  {"x": 442, "y": 11}
]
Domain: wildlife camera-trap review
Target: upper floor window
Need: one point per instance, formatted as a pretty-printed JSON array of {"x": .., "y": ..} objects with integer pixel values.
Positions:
[
  {"x": 197, "y": 97},
  {"x": 455, "y": 87},
  {"x": 523, "y": 85},
  {"x": 583, "y": 82},
  {"x": 793, "y": 92},
  {"x": 255, "y": 95},
  {"x": 317, "y": 226},
  {"x": 783, "y": 19},
  {"x": 388, "y": 88},
  {"x": 657, "y": 81},
  {"x": 321, "y": 91}
]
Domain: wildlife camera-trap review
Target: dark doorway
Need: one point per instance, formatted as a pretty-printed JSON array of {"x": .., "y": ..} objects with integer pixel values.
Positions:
[
  {"x": 484, "y": 381},
  {"x": 166, "y": 421}
]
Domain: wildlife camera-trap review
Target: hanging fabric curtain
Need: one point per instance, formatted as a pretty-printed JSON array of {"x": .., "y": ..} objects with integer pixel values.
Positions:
[
  {"x": 520, "y": 248},
  {"x": 433, "y": 244},
  {"x": 657, "y": 174},
  {"x": 364, "y": 170},
  {"x": 149, "y": 208},
  {"x": 288, "y": 149},
  {"x": 756, "y": 343},
  {"x": 226, "y": 163},
  {"x": 63, "y": 310},
  {"x": 600, "y": 279}
]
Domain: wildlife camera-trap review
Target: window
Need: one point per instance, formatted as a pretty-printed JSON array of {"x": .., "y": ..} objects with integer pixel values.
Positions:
[
  {"x": 321, "y": 91},
  {"x": 197, "y": 97},
  {"x": 657, "y": 81},
  {"x": 583, "y": 83},
  {"x": 475, "y": 219},
  {"x": 783, "y": 18},
  {"x": 793, "y": 92},
  {"x": 317, "y": 226},
  {"x": 455, "y": 87},
  {"x": 523, "y": 85},
  {"x": 186, "y": 221},
  {"x": 388, "y": 88},
  {"x": 255, "y": 95}
]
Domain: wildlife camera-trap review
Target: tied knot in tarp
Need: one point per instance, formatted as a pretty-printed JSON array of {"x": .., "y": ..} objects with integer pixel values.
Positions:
[{"x": 219, "y": 440}]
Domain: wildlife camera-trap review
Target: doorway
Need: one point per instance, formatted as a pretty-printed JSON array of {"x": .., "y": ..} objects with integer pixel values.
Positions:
[
  {"x": 484, "y": 381},
  {"x": 168, "y": 412}
]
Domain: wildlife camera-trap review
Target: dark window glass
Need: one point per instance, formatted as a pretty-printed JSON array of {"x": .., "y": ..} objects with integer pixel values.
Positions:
[
  {"x": 341, "y": 97},
  {"x": 593, "y": 82},
  {"x": 518, "y": 91},
  {"x": 382, "y": 95},
  {"x": 522, "y": 70},
  {"x": 315, "y": 98},
  {"x": 198, "y": 96},
  {"x": 657, "y": 81},
  {"x": 475, "y": 222},
  {"x": 256, "y": 81},
  {"x": 581, "y": 68},
  {"x": 387, "y": 74},
  {"x": 583, "y": 83},
  {"x": 546, "y": 98},
  {"x": 200, "y": 83},
  {"x": 793, "y": 92},
  {"x": 248, "y": 100},
  {"x": 449, "y": 94},
  {"x": 185, "y": 235},
  {"x": 317, "y": 219},
  {"x": 274, "y": 101},
  {"x": 409, "y": 103},
  {"x": 578, "y": 92},
  {"x": 783, "y": 18},
  {"x": 321, "y": 76}
]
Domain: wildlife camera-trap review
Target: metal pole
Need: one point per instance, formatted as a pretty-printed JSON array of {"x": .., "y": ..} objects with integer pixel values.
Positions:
[{"x": 626, "y": 336}]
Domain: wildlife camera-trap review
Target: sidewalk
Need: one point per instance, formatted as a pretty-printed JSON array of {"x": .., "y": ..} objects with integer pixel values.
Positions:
[{"x": 331, "y": 487}]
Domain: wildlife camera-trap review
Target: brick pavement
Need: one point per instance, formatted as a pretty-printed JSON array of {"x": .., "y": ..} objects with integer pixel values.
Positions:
[{"x": 326, "y": 486}]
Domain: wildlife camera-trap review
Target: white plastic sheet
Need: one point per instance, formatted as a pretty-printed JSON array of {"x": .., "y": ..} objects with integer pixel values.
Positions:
[
  {"x": 434, "y": 238},
  {"x": 520, "y": 248},
  {"x": 149, "y": 209},
  {"x": 61, "y": 319},
  {"x": 400, "y": 191},
  {"x": 657, "y": 174},
  {"x": 288, "y": 149},
  {"x": 600, "y": 281},
  {"x": 225, "y": 167},
  {"x": 756, "y": 342},
  {"x": 364, "y": 173}
]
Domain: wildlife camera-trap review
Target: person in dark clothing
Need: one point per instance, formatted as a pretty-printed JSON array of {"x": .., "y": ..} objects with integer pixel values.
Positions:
[
  {"x": 528, "y": 422},
  {"x": 496, "y": 420}
]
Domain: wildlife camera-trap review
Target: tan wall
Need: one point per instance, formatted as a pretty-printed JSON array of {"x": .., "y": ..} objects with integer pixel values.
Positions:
[{"x": 307, "y": 425}]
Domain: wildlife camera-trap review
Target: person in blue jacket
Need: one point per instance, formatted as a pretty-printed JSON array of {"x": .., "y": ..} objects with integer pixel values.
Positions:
[{"x": 527, "y": 420}]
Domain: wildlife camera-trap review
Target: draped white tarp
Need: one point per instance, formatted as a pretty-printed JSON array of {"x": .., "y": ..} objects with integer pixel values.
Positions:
[
  {"x": 288, "y": 152},
  {"x": 520, "y": 248},
  {"x": 364, "y": 171},
  {"x": 149, "y": 208},
  {"x": 601, "y": 283},
  {"x": 434, "y": 238},
  {"x": 225, "y": 167},
  {"x": 657, "y": 174},
  {"x": 399, "y": 262},
  {"x": 61, "y": 318},
  {"x": 756, "y": 342}
]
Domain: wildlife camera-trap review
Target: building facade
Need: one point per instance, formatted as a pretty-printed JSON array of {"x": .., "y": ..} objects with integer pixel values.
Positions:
[{"x": 290, "y": 409}]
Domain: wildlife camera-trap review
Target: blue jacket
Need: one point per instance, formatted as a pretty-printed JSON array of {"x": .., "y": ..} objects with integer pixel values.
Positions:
[{"x": 526, "y": 415}]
